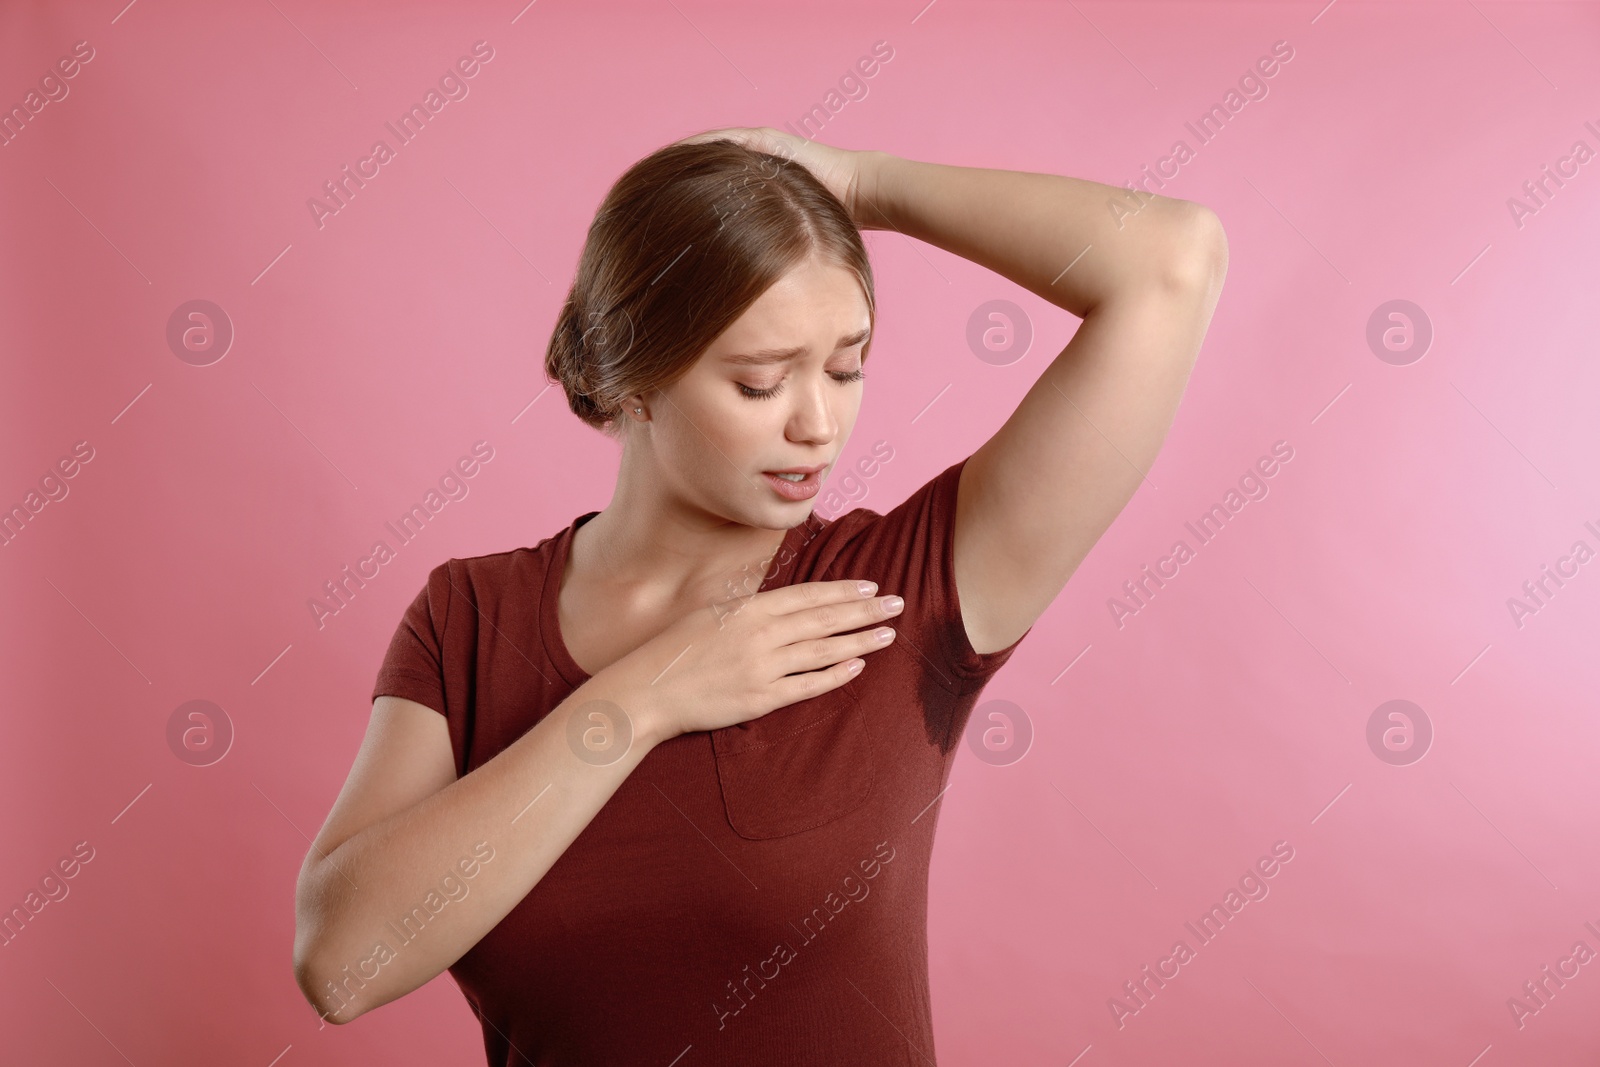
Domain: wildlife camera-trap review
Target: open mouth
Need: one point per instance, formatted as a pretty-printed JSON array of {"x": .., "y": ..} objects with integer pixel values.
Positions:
[{"x": 794, "y": 486}]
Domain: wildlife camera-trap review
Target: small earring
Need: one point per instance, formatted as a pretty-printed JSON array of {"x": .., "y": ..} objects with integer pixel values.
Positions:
[{"x": 638, "y": 411}]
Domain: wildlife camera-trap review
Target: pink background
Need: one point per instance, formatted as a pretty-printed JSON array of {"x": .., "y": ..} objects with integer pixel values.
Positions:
[{"x": 1227, "y": 715}]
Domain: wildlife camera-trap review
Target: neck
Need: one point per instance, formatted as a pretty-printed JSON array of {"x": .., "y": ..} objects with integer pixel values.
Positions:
[{"x": 653, "y": 549}]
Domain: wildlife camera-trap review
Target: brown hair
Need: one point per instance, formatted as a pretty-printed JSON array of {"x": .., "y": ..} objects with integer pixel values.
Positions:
[{"x": 687, "y": 239}]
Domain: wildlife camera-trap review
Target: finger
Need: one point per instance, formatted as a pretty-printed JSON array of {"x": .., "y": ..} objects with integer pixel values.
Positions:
[
  {"x": 729, "y": 133},
  {"x": 800, "y": 633},
  {"x": 815, "y": 654},
  {"x": 798, "y": 687},
  {"x": 788, "y": 599}
]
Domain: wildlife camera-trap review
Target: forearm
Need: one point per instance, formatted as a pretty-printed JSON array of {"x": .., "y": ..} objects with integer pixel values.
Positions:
[
  {"x": 387, "y": 885},
  {"x": 1057, "y": 237}
]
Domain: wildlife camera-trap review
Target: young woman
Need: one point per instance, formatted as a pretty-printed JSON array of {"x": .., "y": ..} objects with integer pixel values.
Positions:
[{"x": 652, "y": 790}]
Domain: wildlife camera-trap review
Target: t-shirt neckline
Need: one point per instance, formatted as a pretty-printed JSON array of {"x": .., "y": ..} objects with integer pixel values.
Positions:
[{"x": 555, "y": 645}]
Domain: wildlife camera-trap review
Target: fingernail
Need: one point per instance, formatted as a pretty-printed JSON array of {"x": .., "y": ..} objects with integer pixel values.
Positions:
[
  {"x": 893, "y": 603},
  {"x": 867, "y": 588}
]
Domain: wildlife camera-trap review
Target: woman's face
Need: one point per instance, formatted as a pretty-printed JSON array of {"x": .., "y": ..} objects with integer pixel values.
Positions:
[{"x": 779, "y": 389}]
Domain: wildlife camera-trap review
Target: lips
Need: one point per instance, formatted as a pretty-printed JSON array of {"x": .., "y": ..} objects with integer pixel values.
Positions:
[
  {"x": 797, "y": 488},
  {"x": 798, "y": 470}
]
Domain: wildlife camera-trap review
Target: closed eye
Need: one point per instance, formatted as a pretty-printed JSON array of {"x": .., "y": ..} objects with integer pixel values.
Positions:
[{"x": 842, "y": 377}]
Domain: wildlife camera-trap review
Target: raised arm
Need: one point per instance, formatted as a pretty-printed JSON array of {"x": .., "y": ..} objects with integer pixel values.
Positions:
[{"x": 1144, "y": 273}]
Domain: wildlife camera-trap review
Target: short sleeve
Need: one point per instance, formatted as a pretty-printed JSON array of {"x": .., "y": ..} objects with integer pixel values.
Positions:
[
  {"x": 413, "y": 667},
  {"x": 910, "y": 551}
]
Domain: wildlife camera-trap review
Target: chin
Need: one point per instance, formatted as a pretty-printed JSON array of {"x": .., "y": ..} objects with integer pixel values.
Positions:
[
  {"x": 786, "y": 514},
  {"x": 778, "y": 514}
]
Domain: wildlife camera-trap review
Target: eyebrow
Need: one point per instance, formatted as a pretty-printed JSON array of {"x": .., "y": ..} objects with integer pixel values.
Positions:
[{"x": 766, "y": 356}]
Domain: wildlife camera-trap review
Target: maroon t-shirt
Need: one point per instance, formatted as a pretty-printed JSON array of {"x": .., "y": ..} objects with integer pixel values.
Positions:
[{"x": 751, "y": 896}]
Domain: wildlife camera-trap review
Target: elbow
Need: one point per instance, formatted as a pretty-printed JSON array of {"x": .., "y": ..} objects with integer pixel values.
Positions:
[
  {"x": 1184, "y": 252},
  {"x": 320, "y": 986},
  {"x": 1198, "y": 260},
  {"x": 325, "y": 988}
]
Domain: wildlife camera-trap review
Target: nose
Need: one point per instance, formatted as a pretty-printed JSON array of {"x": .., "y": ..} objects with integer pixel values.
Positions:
[{"x": 811, "y": 419}]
